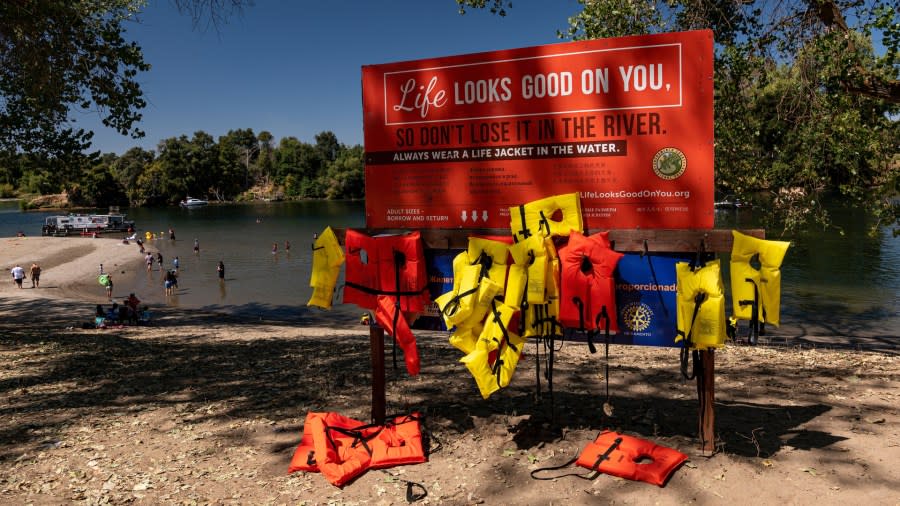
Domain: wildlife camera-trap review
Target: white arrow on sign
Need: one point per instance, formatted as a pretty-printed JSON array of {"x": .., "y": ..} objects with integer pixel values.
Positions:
[
  {"x": 484, "y": 215},
  {"x": 464, "y": 216},
  {"x": 474, "y": 215}
]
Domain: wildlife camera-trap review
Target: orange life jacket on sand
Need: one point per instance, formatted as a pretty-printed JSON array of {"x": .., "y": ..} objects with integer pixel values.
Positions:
[
  {"x": 342, "y": 448},
  {"x": 587, "y": 282},
  {"x": 385, "y": 265},
  {"x": 620, "y": 455},
  {"x": 391, "y": 319}
]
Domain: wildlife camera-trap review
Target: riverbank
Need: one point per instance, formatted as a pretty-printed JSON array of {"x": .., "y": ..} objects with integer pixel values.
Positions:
[{"x": 206, "y": 407}]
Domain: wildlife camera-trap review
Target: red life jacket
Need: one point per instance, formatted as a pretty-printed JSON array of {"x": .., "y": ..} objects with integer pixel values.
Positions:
[
  {"x": 386, "y": 265},
  {"x": 342, "y": 451},
  {"x": 391, "y": 319},
  {"x": 342, "y": 448},
  {"x": 588, "y": 292},
  {"x": 620, "y": 455},
  {"x": 304, "y": 458},
  {"x": 400, "y": 442}
]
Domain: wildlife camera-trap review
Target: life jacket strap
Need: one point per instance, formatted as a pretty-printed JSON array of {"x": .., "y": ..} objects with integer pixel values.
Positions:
[
  {"x": 525, "y": 233},
  {"x": 699, "y": 299},
  {"x": 605, "y": 455}
]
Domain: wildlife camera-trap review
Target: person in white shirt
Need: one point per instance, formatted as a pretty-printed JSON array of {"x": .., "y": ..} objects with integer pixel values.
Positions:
[{"x": 18, "y": 274}]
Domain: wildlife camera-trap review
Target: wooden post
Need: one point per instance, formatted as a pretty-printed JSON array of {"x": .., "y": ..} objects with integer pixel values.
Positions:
[
  {"x": 376, "y": 345},
  {"x": 706, "y": 390}
]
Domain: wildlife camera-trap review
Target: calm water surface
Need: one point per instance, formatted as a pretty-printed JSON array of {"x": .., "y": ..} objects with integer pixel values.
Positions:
[{"x": 832, "y": 284}]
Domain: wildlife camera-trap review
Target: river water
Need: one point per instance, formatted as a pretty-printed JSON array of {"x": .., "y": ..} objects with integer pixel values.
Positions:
[{"x": 833, "y": 285}]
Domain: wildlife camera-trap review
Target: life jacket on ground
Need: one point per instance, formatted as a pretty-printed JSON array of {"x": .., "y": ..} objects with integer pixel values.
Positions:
[
  {"x": 341, "y": 447},
  {"x": 700, "y": 306},
  {"x": 352, "y": 447},
  {"x": 749, "y": 284},
  {"x": 624, "y": 456},
  {"x": 326, "y": 267},
  {"x": 496, "y": 354},
  {"x": 588, "y": 292},
  {"x": 540, "y": 217},
  {"x": 399, "y": 442}
]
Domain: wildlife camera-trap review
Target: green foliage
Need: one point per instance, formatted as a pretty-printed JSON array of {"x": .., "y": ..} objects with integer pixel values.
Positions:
[
  {"x": 197, "y": 166},
  {"x": 804, "y": 108},
  {"x": 59, "y": 58}
]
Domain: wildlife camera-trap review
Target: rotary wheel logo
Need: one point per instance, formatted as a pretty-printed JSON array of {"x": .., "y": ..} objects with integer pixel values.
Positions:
[
  {"x": 637, "y": 316},
  {"x": 669, "y": 163}
]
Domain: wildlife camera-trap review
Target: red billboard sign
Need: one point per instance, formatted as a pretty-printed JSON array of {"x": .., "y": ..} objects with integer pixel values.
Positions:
[{"x": 627, "y": 123}]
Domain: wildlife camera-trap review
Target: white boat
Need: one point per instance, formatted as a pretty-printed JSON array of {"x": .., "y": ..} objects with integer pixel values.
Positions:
[
  {"x": 85, "y": 224},
  {"x": 192, "y": 202}
]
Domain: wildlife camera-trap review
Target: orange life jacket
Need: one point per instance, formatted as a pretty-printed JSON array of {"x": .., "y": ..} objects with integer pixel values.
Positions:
[
  {"x": 588, "y": 292},
  {"x": 385, "y": 265},
  {"x": 391, "y": 319},
  {"x": 342, "y": 448},
  {"x": 400, "y": 442},
  {"x": 623, "y": 456}
]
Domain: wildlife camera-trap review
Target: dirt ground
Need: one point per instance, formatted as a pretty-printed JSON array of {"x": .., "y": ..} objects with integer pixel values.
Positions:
[{"x": 208, "y": 409}]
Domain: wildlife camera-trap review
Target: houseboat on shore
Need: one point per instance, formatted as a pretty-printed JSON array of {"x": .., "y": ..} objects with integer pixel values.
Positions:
[{"x": 86, "y": 224}]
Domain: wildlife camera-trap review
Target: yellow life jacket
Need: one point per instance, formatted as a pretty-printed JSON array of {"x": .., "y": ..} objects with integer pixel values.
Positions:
[
  {"x": 535, "y": 254},
  {"x": 464, "y": 339},
  {"x": 496, "y": 354},
  {"x": 538, "y": 217},
  {"x": 328, "y": 256},
  {"x": 700, "y": 305},
  {"x": 479, "y": 275},
  {"x": 749, "y": 284}
]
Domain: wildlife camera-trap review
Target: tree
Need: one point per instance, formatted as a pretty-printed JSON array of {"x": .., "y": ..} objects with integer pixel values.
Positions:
[
  {"x": 60, "y": 57},
  {"x": 804, "y": 105}
]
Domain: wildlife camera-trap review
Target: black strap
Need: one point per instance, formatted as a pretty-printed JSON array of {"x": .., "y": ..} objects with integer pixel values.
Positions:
[
  {"x": 544, "y": 223},
  {"x": 525, "y": 233},
  {"x": 699, "y": 299},
  {"x": 603, "y": 314},
  {"x": 753, "y": 336},
  {"x": 504, "y": 341},
  {"x": 595, "y": 469},
  {"x": 606, "y": 454}
]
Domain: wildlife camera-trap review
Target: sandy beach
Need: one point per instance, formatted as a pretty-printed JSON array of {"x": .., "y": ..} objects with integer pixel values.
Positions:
[
  {"x": 70, "y": 266},
  {"x": 203, "y": 408}
]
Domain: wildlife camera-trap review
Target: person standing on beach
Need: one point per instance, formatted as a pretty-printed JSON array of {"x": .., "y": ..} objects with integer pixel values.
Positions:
[
  {"x": 159, "y": 260},
  {"x": 101, "y": 269},
  {"x": 18, "y": 274},
  {"x": 287, "y": 246},
  {"x": 196, "y": 246},
  {"x": 220, "y": 270},
  {"x": 109, "y": 287},
  {"x": 35, "y": 275},
  {"x": 175, "y": 263},
  {"x": 274, "y": 248},
  {"x": 171, "y": 233},
  {"x": 149, "y": 260}
]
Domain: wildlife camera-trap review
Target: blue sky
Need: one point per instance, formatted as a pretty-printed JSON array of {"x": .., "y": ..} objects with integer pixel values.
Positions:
[{"x": 292, "y": 67}]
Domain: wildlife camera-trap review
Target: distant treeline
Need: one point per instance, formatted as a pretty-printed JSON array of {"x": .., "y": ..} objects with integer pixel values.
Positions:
[{"x": 240, "y": 165}]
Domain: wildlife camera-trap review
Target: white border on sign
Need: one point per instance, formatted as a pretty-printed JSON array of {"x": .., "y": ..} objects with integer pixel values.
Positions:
[{"x": 575, "y": 111}]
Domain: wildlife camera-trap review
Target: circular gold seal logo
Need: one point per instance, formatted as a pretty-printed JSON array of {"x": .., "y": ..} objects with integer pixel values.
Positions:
[{"x": 669, "y": 163}]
